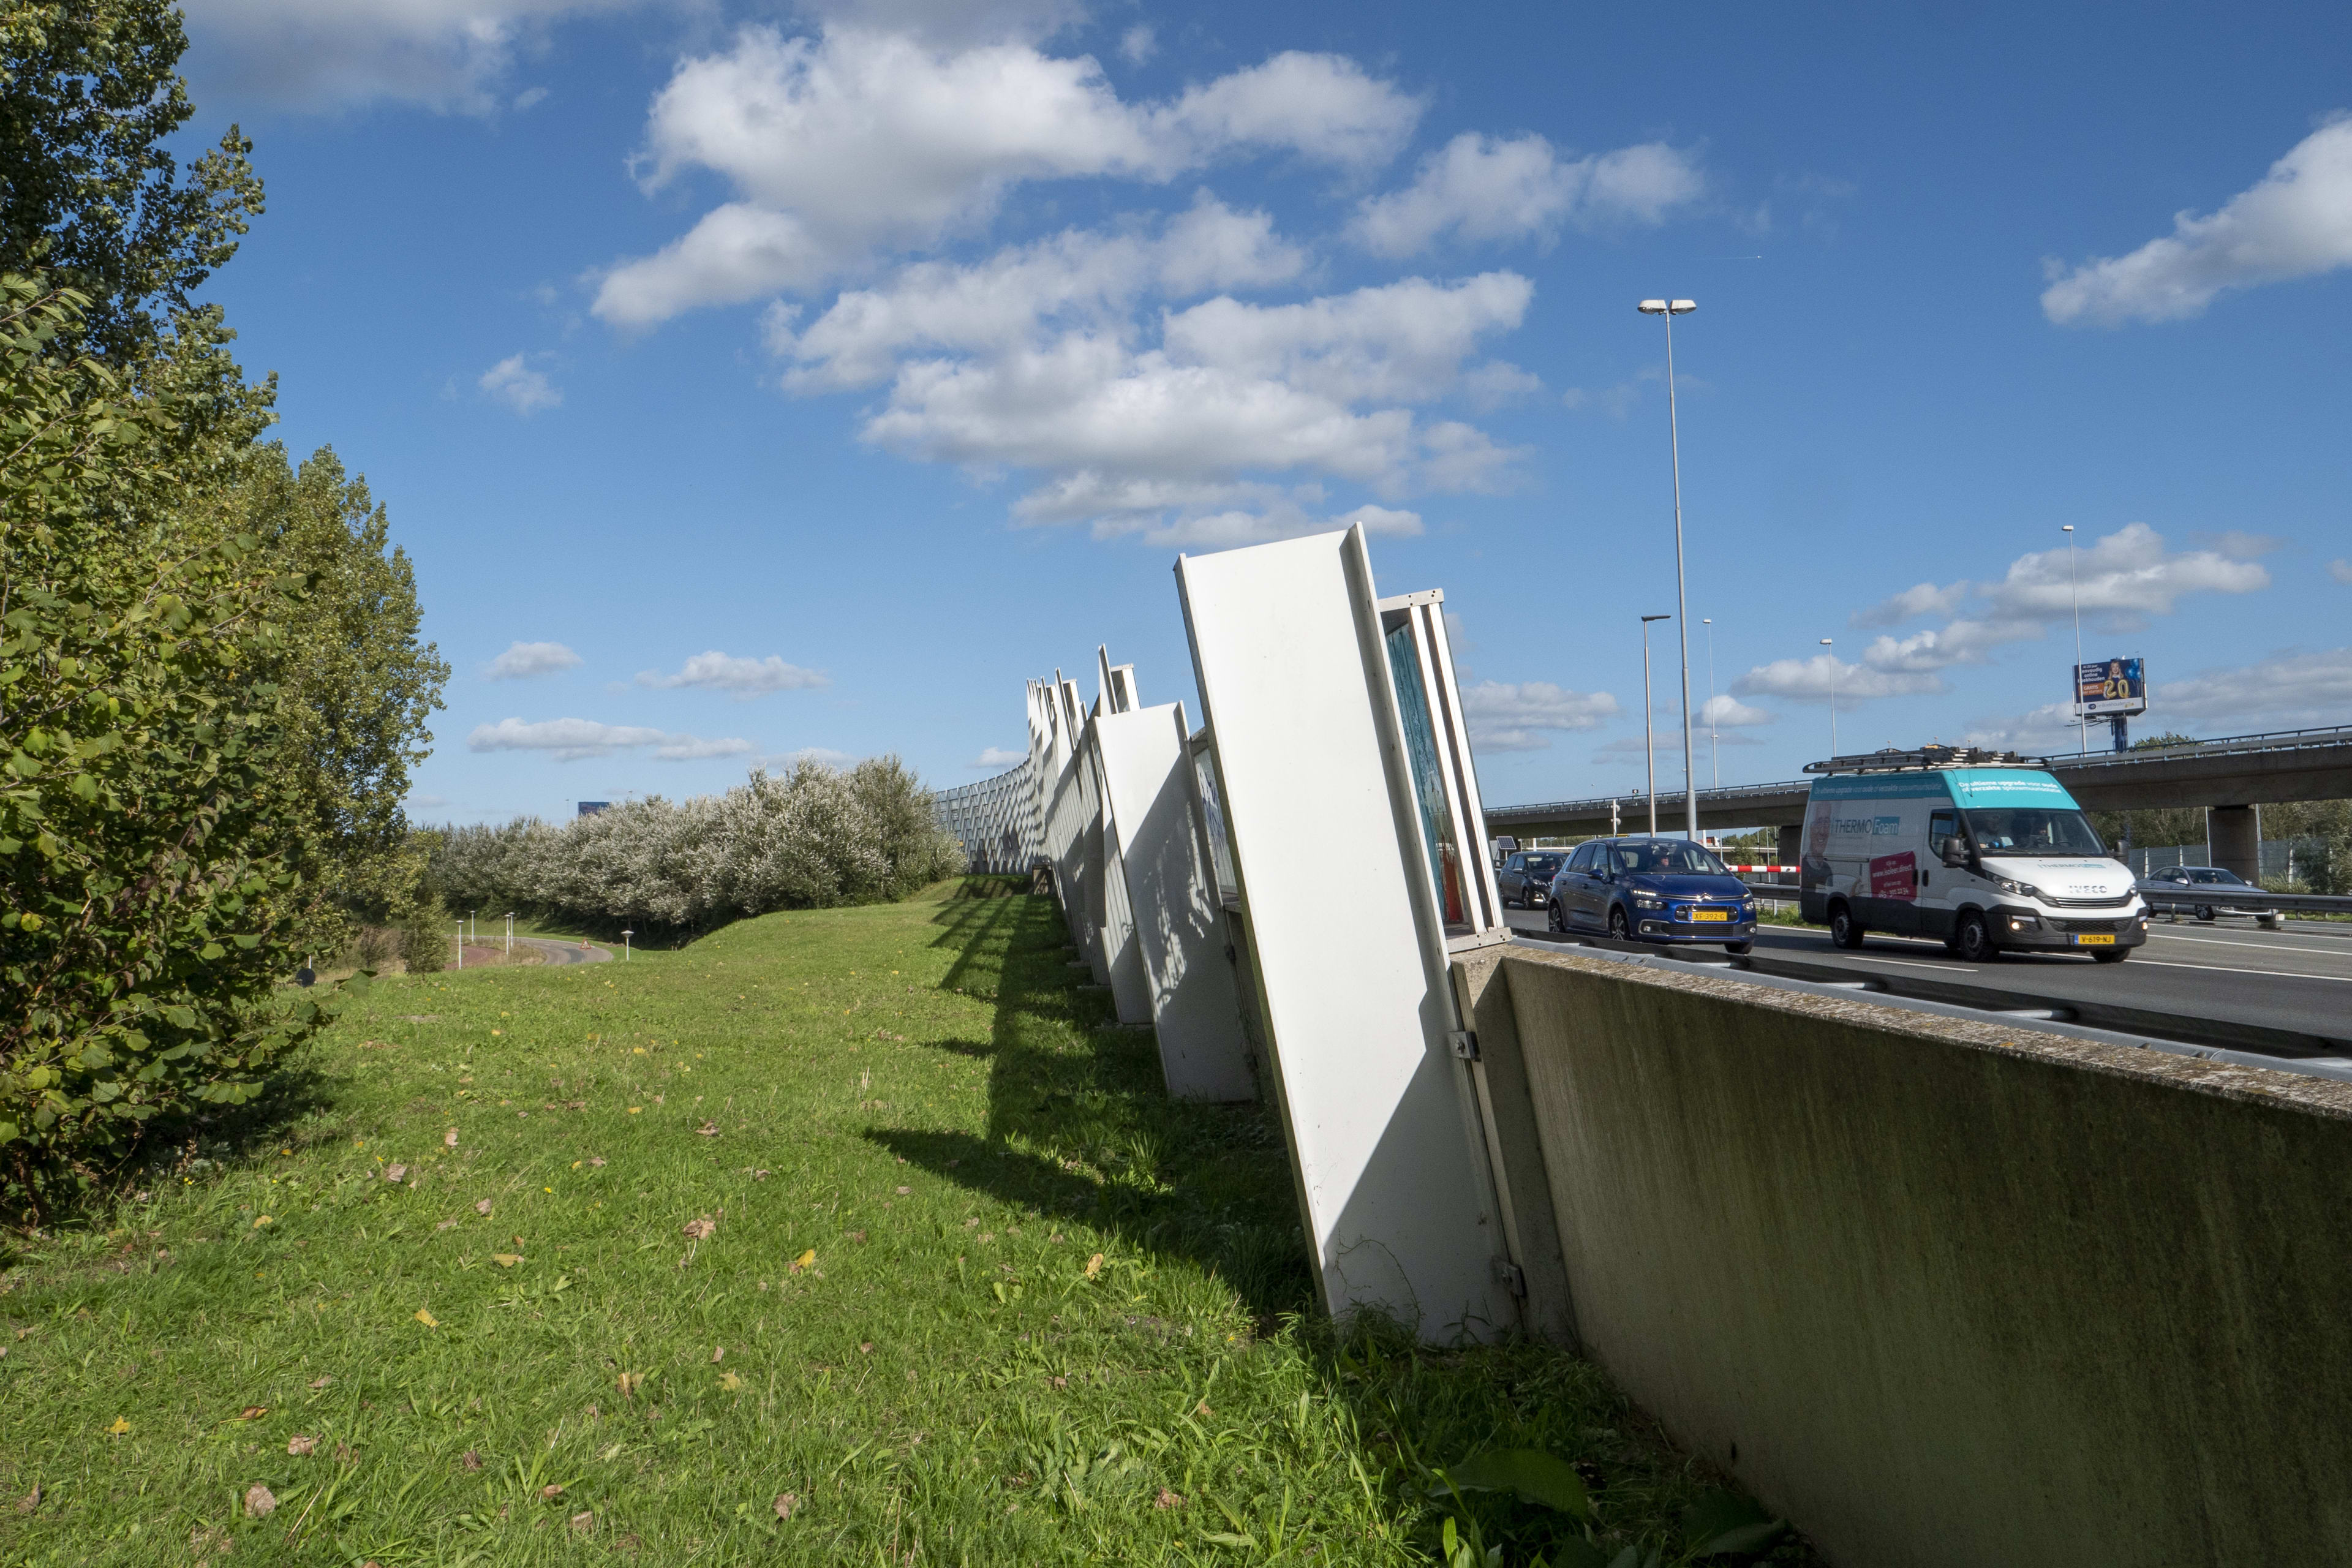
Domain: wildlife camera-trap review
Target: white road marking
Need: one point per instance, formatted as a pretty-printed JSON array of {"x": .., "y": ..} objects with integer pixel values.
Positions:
[
  {"x": 2230, "y": 969},
  {"x": 1915, "y": 964},
  {"x": 2235, "y": 941}
]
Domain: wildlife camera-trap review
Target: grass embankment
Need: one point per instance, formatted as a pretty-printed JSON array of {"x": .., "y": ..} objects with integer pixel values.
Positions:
[{"x": 843, "y": 1236}]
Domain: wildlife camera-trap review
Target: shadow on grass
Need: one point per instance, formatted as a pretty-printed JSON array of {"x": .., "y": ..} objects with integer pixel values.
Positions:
[{"x": 1090, "y": 1135}]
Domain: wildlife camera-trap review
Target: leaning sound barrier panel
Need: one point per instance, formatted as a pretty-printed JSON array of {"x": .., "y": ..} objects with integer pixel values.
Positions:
[
  {"x": 1177, "y": 926},
  {"x": 1130, "y": 986},
  {"x": 1337, "y": 900}
]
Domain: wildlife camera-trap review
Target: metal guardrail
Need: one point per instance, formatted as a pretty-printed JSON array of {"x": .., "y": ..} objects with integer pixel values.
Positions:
[{"x": 2192, "y": 897}]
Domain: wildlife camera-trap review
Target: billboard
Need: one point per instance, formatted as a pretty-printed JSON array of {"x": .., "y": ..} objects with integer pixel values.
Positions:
[{"x": 2110, "y": 686}]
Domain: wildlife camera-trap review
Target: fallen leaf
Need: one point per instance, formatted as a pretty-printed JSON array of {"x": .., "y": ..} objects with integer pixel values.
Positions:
[
  {"x": 301, "y": 1447},
  {"x": 1168, "y": 1499},
  {"x": 583, "y": 1521},
  {"x": 446, "y": 1225},
  {"x": 253, "y": 1411},
  {"x": 261, "y": 1221},
  {"x": 1203, "y": 1409},
  {"x": 904, "y": 1191},
  {"x": 1094, "y": 1264},
  {"x": 550, "y": 1492},
  {"x": 471, "y": 1460},
  {"x": 700, "y": 1229},
  {"x": 483, "y": 1207},
  {"x": 805, "y": 1260},
  {"x": 730, "y": 1382},
  {"x": 395, "y": 1172},
  {"x": 427, "y": 1319},
  {"x": 629, "y": 1381},
  {"x": 596, "y": 1162},
  {"x": 449, "y": 1139},
  {"x": 259, "y": 1502},
  {"x": 718, "y": 1355},
  {"x": 785, "y": 1503},
  {"x": 30, "y": 1500},
  {"x": 708, "y": 1130},
  {"x": 321, "y": 1381},
  {"x": 865, "y": 1347},
  {"x": 506, "y": 1260}
]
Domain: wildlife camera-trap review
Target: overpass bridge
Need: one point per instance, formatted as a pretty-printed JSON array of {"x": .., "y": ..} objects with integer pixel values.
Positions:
[{"x": 2228, "y": 777}]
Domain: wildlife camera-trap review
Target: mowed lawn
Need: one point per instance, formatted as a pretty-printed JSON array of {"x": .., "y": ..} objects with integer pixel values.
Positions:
[{"x": 843, "y": 1237}]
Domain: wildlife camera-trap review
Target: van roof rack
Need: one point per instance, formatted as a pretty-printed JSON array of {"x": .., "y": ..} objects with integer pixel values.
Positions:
[{"x": 1892, "y": 760}]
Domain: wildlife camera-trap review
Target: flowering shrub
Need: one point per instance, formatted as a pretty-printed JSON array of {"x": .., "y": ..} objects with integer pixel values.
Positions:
[{"x": 805, "y": 839}]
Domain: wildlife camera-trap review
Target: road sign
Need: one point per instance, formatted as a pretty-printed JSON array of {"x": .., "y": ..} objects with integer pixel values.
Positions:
[{"x": 2111, "y": 685}]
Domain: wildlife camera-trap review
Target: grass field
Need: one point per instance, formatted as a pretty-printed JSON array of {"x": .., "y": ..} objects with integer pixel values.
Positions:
[{"x": 836, "y": 1237}]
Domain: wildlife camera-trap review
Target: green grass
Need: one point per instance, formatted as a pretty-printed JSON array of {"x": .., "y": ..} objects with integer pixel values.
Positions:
[{"x": 1050, "y": 1316}]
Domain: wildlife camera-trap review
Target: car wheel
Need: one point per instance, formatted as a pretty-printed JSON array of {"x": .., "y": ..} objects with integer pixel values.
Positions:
[
  {"x": 1972, "y": 939},
  {"x": 1554, "y": 919},
  {"x": 1620, "y": 928},
  {"x": 2111, "y": 954},
  {"x": 1844, "y": 929},
  {"x": 1739, "y": 948},
  {"x": 2205, "y": 913}
]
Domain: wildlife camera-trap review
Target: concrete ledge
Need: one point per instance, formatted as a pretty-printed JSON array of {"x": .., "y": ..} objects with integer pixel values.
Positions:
[{"x": 1951, "y": 1293}]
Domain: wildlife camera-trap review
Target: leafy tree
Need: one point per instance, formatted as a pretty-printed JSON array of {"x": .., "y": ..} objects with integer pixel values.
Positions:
[
  {"x": 90, "y": 91},
  {"x": 150, "y": 833}
]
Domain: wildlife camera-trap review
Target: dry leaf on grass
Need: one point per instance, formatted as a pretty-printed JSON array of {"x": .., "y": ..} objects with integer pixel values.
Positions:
[
  {"x": 629, "y": 1382},
  {"x": 583, "y": 1521},
  {"x": 1168, "y": 1499},
  {"x": 805, "y": 1260},
  {"x": 785, "y": 1503},
  {"x": 483, "y": 1207},
  {"x": 121, "y": 1428},
  {"x": 700, "y": 1229},
  {"x": 446, "y": 1225},
  {"x": 730, "y": 1382},
  {"x": 30, "y": 1500},
  {"x": 260, "y": 1501},
  {"x": 1094, "y": 1264},
  {"x": 427, "y": 1319},
  {"x": 253, "y": 1411},
  {"x": 300, "y": 1446},
  {"x": 718, "y": 1355},
  {"x": 471, "y": 1460},
  {"x": 865, "y": 1347},
  {"x": 449, "y": 1139},
  {"x": 708, "y": 1130},
  {"x": 321, "y": 1381},
  {"x": 550, "y": 1492},
  {"x": 395, "y": 1172},
  {"x": 597, "y": 1161}
]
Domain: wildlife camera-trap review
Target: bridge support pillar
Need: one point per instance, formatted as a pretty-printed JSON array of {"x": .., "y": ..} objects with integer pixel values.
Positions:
[
  {"x": 2234, "y": 833},
  {"x": 1792, "y": 841}
]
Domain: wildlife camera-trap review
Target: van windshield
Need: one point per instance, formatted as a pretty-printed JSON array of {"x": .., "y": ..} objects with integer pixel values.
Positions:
[{"x": 2032, "y": 830}]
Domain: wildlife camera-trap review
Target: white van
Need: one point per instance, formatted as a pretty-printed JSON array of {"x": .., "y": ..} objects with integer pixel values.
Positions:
[{"x": 1983, "y": 849}]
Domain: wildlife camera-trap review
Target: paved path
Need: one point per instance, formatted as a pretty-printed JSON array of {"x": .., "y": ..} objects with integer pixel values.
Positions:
[{"x": 554, "y": 951}]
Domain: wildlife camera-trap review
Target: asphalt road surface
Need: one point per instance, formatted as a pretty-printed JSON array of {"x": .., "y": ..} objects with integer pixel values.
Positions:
[
  {"x": 553, "y": 952},
  {"x": 2297, "y": 979}
]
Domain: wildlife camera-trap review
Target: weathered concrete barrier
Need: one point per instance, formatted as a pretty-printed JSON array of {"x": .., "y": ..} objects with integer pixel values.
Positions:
[{"x": 1944, "y": 1292}]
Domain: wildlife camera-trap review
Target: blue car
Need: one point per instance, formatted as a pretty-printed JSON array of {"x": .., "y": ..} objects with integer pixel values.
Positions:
[{"x": 1652, "y": 890}]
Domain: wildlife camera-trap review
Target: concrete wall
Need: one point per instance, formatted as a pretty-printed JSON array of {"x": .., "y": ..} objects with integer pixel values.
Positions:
[{"x": 1945, "y": 1293}]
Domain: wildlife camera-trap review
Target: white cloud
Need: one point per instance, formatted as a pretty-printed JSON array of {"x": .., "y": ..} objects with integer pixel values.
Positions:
[
  {"x": 2125, "y": 577},
  {"x": 823, "y": 755},
  {"x": 861, "y": 139},
  {"x": 569, "y": 740},
  {"x": 1514, "y": 717},
  {"x": 524, "y": 659},
  {"x": 1137, "y": 44},
  {"x": 2340, "y": 569},
  {"x": 2287, "y": 690},
  {"x": 1229, "y": 530},
  {"x": 1922, "y": 599},
  {"x": 520, "y": 388},
  {"x": 1724, "y": 712},
  {"x": 999, "y": 757},
  {"x": 2295, "y": 222},
  {"x": 312, "y": 54},
  {"x": 745, "y": 677},
  {"x": 1482, "y": 188},
  {"x": 1810, "y": 681}
]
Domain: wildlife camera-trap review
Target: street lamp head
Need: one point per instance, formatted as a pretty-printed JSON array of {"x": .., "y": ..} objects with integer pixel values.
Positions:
[
  {"x": 1667, "y": 306},
  {"x": 1652, "y": 306},
  {"x": 1657, "y": 618},
  {"x": 1826, "y": 642},
  {"x": 2065, "y": 528},
  {"x": 1684, "y": 307}
]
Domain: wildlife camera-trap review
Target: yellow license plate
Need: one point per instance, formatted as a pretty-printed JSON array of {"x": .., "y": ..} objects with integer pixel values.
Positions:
[
  {"x": 2081, "y": 941},
  {"x": 1710, "y": 914}
]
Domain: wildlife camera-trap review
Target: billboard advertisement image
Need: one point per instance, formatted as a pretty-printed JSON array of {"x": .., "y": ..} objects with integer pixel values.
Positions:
[{"x": 2110, "y": 686}]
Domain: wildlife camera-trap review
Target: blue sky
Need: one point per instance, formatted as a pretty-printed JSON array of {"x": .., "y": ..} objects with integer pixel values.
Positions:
[{"x": 749, "y": 381}]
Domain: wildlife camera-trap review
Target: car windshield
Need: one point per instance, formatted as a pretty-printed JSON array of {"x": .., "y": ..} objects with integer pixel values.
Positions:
[
  {"x": 2032, "y": 830},
  {"x": 1543, "y": 865},
  {"x": 2215, "y": 874},
  {"x": 1667, "y": 858}
]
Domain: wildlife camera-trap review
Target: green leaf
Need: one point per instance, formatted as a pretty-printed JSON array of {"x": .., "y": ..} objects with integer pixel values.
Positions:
[
  {"x": 1725, "y": 1524},
  {"x": 1529, "y": 1474}
]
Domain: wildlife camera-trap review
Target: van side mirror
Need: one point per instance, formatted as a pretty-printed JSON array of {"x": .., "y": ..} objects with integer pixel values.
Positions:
[{"x": 1956, "y": 853}]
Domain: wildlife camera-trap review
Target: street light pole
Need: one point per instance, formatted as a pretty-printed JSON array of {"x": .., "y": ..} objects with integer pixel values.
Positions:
[
  {"x": 1715, "y": 749},
  {"x": 1649, "y": 747},
  {"x": 1670, "y": 309},
  {"x": 2075, "y": 593},
  {"x": 1826, "y": 643}
]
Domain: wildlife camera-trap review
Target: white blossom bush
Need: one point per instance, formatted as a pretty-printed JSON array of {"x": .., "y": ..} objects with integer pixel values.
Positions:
[{"x": 811, "y": 838}]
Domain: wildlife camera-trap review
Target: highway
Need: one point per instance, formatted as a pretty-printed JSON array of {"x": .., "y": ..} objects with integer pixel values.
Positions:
[{"x": 2231, "y": 983}]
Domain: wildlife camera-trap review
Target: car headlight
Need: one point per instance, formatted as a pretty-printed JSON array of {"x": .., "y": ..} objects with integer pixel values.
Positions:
[
  {"x": 1648, "y": 902},
  {"x": 2016, "y": 890}
]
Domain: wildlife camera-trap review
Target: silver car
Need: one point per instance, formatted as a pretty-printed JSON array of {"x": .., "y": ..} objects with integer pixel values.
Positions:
[{"x": 2176, "y": 887}]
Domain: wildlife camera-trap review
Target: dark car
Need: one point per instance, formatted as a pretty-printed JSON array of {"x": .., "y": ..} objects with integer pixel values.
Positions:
[
  {"x": 2176, "y": 887},
  {"x": 1525, "y": 879},
  {"x": 1652, "y": 890}
]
